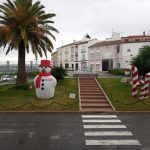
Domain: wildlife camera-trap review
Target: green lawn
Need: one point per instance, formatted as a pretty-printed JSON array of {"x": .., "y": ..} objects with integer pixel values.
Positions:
[
  {"x": 13, "y": 98},
  {"x": 120, "y": 95}
]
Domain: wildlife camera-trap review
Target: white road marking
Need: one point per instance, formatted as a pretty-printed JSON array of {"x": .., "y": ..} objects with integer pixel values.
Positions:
[
  {"x": 99, "y": 116},
  {"x": 112, "y": 142},
  {"x": 31, "y": 134},
  {"x": 102, "y": 119},
  {"x": 8, "y": 131},
  {"x": 108, "y": 133},
  {"x": 104, "y": 126},
  {"x": 112, "y": 120}
]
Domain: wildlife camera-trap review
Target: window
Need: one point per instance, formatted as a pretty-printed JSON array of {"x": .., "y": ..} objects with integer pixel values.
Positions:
[
  {"x": 118, "y": 49},
  {"x": 128, "y": 50},
  {"x": 76, "y": 56},
  {"x": 83, "y": 49},
  {"x": 137, "y": 40},
  {"x": 72, "y": 49},
  {"x": 67, "y": 65},
  {"x": 83, "y": 57},
  {"x": 126, "y": 40},
  {"x": 97, "y": 67},
  {"x": 72, "y": 58},
  {"x": 92, "y": 67},
  {"x": 91, "y": 56},
  {"x": 66, "y": 52},
  {"x": 76, "y": 48},
  {"x": 118, "y": 65},
  {"x": 97, "y": 56},
  {"x": 73, "y": 66}
]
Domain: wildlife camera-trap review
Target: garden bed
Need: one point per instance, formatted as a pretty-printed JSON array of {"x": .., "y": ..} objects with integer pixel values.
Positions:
[
  {"x": 120, "y": 96},
  {"x": 12, "y": 99}
]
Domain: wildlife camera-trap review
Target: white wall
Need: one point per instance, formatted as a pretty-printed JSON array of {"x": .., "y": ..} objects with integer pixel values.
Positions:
[{"x": 130, "y": 50}]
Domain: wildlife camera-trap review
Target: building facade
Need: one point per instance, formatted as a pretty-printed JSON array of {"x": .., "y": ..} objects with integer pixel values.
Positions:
[
  {"x": 74, "y": 56},
  {"x": 116, "y": 53},
  {"x": 54, "y": 59}
]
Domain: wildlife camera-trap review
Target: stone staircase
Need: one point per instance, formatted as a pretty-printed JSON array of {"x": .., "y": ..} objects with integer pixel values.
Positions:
[{"x": 92, "y": 98}]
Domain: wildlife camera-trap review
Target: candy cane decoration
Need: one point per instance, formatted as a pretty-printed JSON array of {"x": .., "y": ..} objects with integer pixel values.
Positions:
[
  {"x": 133, "y": 70},
  {"x": 142, "y": 92},
  {"x": 147, "y": 82}
]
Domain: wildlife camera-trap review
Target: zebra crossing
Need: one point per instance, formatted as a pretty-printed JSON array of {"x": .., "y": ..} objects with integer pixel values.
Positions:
[{"x": 106, "y": 130}]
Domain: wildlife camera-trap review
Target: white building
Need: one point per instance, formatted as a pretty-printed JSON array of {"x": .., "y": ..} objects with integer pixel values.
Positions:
[
  {"x": 116, "y": 53},
  {"x": 74, "y": 56}
]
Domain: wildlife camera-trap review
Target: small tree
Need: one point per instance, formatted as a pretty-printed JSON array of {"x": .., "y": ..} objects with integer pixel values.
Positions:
[{"x": 142, "y": 60}]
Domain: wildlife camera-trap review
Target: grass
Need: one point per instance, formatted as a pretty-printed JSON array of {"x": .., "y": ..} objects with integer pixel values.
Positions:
[
  {"x": 120, "y": 96},
  {"x": 12, "y": 98}
]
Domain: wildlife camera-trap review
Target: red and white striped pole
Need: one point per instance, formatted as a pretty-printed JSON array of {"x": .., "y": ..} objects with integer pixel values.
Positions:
[
  {"x": 147, "y": 83},
  {"x": 134, "y": 72},
  {"x": 142, "y": 92}
]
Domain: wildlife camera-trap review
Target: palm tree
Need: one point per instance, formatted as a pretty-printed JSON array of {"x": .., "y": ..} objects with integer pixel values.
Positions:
[{"x": 24, "y": 25}]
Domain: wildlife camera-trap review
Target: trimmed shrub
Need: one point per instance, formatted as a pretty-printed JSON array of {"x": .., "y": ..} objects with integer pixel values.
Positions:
[
  {"x": 117, "y": 71},
  {"x": 59, "y": 73}
]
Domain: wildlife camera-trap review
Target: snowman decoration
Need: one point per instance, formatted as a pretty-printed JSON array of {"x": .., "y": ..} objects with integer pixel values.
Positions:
[{"x": 45, "y": 83}]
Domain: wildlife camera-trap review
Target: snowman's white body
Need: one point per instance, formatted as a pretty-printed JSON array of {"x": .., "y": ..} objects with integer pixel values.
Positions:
[{"x": 47, "y": 87}]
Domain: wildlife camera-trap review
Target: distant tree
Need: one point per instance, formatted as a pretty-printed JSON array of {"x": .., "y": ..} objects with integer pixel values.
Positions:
[
  {"x": 24, "y": 25},
  {"x": 142, "y": 60}
]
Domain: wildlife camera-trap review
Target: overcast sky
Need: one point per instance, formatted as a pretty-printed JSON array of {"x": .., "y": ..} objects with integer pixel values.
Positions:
[{"x": 98, "y": 18}]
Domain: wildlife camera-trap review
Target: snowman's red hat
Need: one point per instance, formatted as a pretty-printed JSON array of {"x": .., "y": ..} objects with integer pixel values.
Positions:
[{"x": 45, "y": 63}]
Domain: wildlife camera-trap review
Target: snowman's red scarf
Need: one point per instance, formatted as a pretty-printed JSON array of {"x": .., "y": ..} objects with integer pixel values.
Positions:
[{"x": 38, "y": 80}]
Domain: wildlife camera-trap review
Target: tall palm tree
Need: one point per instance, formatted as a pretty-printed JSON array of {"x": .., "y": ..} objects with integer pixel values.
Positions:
[{"x": 24, "y": 25}]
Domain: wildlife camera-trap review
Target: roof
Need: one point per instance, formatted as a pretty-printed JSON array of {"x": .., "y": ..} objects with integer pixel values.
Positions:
[
  {"x": 131, "y": 39},
  {"x": 103, "y": 43},
  {"x": 136, "y": 36},
  {"x": 76, "y": 43}
]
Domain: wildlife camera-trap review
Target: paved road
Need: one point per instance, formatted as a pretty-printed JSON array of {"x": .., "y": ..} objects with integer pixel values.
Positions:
[{"x": 74, "y": 131}]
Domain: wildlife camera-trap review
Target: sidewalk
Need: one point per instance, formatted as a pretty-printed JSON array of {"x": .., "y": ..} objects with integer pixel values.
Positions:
[
  {"x": 106, "y": 74},
  {"x": 101, "y": 74}
]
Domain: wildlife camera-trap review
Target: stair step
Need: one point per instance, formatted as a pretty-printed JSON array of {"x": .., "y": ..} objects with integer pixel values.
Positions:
[
  {"x": 91, "y": 94},
  {"x": 92, "y": 97},
  {"x": 91, "y": 91},
  {"x": 89, "y": 88},
  {"x": 95, "y": 105},
  {"x": 97, "y": 109},
  {"x": 94, "y": 101},
  {"x": 87, "y": 81},
  {"x": 87, "y": 92},
  {"x": 88, "y": 85}
]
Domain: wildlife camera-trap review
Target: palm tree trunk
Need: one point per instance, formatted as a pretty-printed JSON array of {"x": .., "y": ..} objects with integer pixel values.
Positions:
[{"x": 21, "y": 74}]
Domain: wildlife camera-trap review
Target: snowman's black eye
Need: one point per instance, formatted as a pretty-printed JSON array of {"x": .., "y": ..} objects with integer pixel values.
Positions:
[{"x": 45, "y": 67}]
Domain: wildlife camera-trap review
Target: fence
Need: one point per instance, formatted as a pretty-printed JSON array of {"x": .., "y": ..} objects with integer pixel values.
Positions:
[{"x": 12, "y": 66}]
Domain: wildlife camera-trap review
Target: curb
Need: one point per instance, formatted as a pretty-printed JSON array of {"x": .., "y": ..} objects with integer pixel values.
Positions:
[{"x": 73, "y": 112}]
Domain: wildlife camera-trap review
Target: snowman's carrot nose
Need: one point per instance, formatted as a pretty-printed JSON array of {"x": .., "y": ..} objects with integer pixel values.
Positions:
[{"x": 43, "y": 69}]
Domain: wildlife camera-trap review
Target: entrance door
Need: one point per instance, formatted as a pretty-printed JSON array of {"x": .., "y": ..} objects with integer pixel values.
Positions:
[
  {"x": 105, "y": 65},
  {"x": 66, "y": 66},
  {"x": 76, "y": 66},
  {"x": 83, "y": 66}
]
